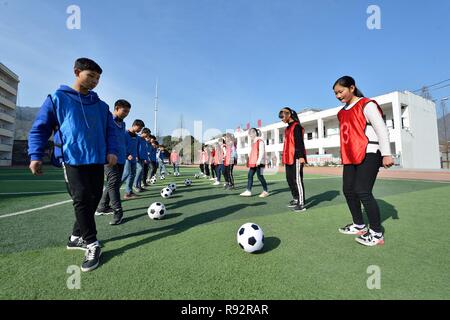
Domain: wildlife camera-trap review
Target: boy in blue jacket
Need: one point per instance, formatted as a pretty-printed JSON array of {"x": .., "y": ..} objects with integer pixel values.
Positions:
[
  {"x": 142, "y": 159},
  {"x": 110, "y": 202},
  {"x": 86, "y": 137},
  {"x": 129, "y": 172}
]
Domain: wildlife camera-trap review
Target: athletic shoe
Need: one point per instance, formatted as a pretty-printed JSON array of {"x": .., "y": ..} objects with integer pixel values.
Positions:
[
  {"x": 299, "y": 208},
  {"x": 117, "y": 218},
  {"x": 139, "y": 190},
  {"x": 217, "y": 183},
  {"x": 353, "y": 229},
  {"x": 264, "y": 194},
  {"x": 130, "y": 196},
  {"x": 104, "y": 212},
  {"x": 91, "y": 258},
  {"x": 371, "y": 239},
  {"x": 293, "y": 203},
  {"x": 246, "y": 193},
  {"x": 78, "y": 244}
]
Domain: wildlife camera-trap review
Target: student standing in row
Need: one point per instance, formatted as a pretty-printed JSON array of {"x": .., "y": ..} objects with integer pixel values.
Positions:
[
  {"x": 294, "y": 157},
  {"x": 110, "y": 202},
  {"x": 85, "y": 132},
  {"x": 129, "y": 172},
  {"x": 365, "y": 148},
  {"x": 256, "y": 163}
]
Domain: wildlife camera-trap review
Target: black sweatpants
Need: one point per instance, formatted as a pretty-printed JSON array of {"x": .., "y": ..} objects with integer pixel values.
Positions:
[
  {"x": 145, "y": 173},
  {"x": 85, "y": 185},
  {"x": 294, "y": 177},
  {"x": 213, "y": 170},
  {"x": 228, "y": 174},
  {"x": 207, "y": 170},
  {"x": 358, "y": 184},
  {"x": 154, "y": 168},
  {"x": 111, "y": 192}
]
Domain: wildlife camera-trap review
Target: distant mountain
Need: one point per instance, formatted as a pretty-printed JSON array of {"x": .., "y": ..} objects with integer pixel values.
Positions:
[{"x": 24, "y": 120}]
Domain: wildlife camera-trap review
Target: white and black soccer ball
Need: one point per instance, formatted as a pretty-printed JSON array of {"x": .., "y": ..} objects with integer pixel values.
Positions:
[
  {"x": 250, "y": 237},
  {"x": 172, "y": 186},
  {"x": 187, "y": 182},
  {"x": 153, "y": 180},
  {"x": 162, "y": 177},
  {"x": 156, "y": 211},
  {"x": 166, "y": 192}
]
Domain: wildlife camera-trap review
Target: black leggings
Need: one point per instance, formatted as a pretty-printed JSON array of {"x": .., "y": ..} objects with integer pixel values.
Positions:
[{"x": 358, "y": 184}]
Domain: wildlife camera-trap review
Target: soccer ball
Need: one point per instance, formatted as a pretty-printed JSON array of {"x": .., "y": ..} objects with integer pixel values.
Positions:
[
  {"x": 156, "y": 211},
  {"x": 162, "y": 177},
  {"x": 187, "y": 182},
  {"x": 197, "y": 176},
  {"x": 250, "y": 237},
  {"x": 172, "y": 186},
  {"x": 153, "y": 180},
  {"x": 166, "y": 192}
]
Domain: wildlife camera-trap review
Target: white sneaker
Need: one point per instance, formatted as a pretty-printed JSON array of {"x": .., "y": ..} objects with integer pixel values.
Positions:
[
  {"x": 246, "y": 193},
  {"x": 371, "y": 239},
  {"x": 217, "y": 183},
  {"x": 354, "y": 230},
  {"x": 264, "y": 194}
]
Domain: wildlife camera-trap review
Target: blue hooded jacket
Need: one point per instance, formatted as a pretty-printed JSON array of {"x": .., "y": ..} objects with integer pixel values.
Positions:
[
  {"x": 122, "y": 140},
  {"x": 152, "y": 152},
  {"x": 142, "y": 149},
  {"x": 86, "y": 125},
  {"x": 132, "y": 145}
]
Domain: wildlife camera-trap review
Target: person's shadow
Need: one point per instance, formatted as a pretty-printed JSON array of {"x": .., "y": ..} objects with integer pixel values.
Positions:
[
  {"x": 387, "y": 211},
  {"x": 322, "y": 197},
  {"x": 174, "y": 229}
]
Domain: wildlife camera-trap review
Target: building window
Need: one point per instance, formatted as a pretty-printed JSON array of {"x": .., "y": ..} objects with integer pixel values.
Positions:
[{"x": 309, "y": 136}]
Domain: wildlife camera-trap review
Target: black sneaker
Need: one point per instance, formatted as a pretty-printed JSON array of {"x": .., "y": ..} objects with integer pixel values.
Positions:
[
  {"x": 299, "y": 208},
  {"x": 91, "y": 258},
  {"x": 117, "y": 219},
  {"x": 293, "y": 203},
  {"x": 104, "y": 212},
  {"x": 78, "y": 244}
]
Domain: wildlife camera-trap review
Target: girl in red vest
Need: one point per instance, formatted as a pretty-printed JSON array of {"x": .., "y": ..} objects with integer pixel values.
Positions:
[
  {"x": 365, "y": 148},
  {"x": 218, "y": 161},
  {"x": 212, "y": 156},
  {"x": 294, "y": 157},
  {"x": 229, "y": 162},
  {"x": 204, "y": 167},
  {"x": 256, "y": 163}
]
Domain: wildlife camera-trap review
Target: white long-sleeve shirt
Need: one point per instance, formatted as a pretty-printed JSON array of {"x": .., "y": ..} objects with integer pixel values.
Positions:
[{"x": 377, "y": 131}]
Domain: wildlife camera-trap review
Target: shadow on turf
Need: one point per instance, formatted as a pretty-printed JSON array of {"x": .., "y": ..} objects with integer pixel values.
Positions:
[
  {"x": 174, "y": 229},
  {"x": 319, "y": 198},
  {"x": 137, "y": 216},
  {"x": 270, "y": 243}
]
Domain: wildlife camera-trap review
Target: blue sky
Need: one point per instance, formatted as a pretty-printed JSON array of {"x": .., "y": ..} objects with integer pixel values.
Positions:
[{"x": 226, "y": 62}]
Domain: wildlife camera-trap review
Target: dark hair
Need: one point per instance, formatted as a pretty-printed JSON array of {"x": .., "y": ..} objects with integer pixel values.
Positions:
[
  {"x": 122, "y": 104},
  {"x": 347, "y": 82},
  {"x": 257, "y": 131},
  {"x": 87, "y": 64},
  {"x": 156, "y": 142},
  {"x": 152, "y": 137},
  {"x": 139, "y": 123},
  {"x": 146, "y": 131},
  {"x": 294, "y": 114}
]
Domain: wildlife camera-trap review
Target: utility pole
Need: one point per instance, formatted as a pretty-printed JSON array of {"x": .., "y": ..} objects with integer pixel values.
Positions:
[
  {"x": 425, "y": 93},
  {"x": 156, "y": 108},
  {"x": 444, "y": 116}
]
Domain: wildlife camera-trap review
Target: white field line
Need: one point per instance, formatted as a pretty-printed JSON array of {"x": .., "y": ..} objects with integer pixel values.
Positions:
[
  {"x": 35, "y": 209},
  {"x": 29, "y": 193}
]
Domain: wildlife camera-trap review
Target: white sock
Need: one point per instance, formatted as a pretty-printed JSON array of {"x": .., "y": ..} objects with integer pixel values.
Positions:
[
  {"x": 93, "y": 244},
  {"x": 73, "y": 238},
  {"x": 360, "y": 226}
]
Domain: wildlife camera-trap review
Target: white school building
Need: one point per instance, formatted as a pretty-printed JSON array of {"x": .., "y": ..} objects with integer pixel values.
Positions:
[{"x": 411, "y": 120}]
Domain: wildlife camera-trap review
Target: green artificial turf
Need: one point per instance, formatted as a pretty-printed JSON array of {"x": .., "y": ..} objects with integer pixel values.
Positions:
[{"x": 193, "y": 253}]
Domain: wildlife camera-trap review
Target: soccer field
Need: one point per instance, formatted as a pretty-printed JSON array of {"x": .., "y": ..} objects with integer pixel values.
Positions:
[{"x": 193, "y": 253}]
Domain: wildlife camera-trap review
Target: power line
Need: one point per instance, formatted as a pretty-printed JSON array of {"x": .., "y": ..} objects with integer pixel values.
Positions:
[{"x": 433, "y": 85}]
